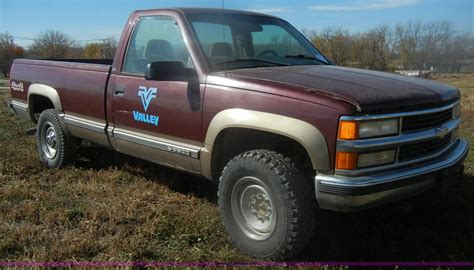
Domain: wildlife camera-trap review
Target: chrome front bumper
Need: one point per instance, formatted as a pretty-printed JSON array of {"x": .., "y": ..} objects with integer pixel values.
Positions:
[{"x": 346, "y": 193}]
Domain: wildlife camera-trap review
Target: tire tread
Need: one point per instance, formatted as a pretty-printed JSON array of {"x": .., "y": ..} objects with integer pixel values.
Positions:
[
  {"x": 292, "y": 184},
  {"x": 67, "y": 142}
]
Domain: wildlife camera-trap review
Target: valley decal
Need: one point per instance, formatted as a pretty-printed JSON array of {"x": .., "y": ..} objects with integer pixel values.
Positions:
[{"x": 147, "y": 95}]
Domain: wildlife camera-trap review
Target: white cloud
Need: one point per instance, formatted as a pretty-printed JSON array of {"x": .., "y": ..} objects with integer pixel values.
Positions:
[
  {"x": 272, "y": 10},
  {"x": 365, "y": 5}
]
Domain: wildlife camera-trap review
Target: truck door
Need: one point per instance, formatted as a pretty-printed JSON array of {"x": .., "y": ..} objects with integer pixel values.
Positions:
[{"x": 156, "y": 120}]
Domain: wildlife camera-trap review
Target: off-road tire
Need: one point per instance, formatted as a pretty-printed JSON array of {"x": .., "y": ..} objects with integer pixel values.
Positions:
[
  {"x": 292, "y": 199},
  {"x": 62, "y": 150}
]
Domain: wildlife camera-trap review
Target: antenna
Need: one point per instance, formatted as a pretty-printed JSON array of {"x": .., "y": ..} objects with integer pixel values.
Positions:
[
  {"x": 223, "y": 27},
  {"x": 223, "y": 33}
]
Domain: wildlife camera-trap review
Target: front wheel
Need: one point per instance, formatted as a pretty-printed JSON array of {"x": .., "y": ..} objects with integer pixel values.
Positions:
[
  {"x": 55, "y": 148},
  {"x": 266, "y": 205}
]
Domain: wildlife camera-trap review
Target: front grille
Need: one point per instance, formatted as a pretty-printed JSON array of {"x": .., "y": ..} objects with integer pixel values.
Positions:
[
  {"x": 421, "y": 149},
  {"x": 426, "y": 121}
]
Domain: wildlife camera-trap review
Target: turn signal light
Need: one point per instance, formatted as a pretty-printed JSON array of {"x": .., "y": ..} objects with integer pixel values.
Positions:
[
  {"x": 346, "y": 160},
  {"x": 347, "y": 130}
]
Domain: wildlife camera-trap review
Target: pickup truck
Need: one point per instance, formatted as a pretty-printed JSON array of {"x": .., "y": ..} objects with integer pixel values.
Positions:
[{"x": 246, "y": 100}]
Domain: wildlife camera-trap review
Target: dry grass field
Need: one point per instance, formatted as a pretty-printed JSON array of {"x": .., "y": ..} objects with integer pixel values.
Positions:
[{"x": 111, "y": 207}]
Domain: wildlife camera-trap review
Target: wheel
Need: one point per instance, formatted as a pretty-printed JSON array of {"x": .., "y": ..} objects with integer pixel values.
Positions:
[
  {"x": 55, "y": 148},
  {"x": 266, "y": 205}
]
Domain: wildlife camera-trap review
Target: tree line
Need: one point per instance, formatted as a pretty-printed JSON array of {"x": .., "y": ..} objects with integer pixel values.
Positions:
[
  {"x": 52, "y": 44},
  {"x": 414, "y": 45}
]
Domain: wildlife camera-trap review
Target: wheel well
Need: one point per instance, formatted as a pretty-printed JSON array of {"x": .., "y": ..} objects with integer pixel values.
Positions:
[
  {"x": 37, "y": 104},
  {"x": 233, "y": 141}
]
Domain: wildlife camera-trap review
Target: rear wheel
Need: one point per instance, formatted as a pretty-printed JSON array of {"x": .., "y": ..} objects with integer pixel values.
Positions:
[
  {"x": 55, "y": 148},
  {"x": 266, "y": 205}
]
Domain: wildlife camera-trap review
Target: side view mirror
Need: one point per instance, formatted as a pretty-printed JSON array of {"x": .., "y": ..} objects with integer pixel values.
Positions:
[{"x": 167, "y": 71}]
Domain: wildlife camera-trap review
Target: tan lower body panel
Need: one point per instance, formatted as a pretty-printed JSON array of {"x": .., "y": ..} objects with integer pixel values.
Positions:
[
  {"x": 87, "y": 128},
  {"x": 159, "y": 156},
  {"x": 159, "y": 150}
]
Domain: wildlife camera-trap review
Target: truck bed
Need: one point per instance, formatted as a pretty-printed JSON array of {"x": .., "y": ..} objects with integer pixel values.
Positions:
[{"x": 80, "y": 84}]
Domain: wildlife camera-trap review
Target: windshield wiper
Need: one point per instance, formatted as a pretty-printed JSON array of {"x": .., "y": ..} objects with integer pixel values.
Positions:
[
  {"x": 250, "y": 59},
  {"x": 305, "y": 57}
]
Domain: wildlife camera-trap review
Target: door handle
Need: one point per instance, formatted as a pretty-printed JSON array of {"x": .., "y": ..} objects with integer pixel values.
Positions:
[{"x": 119, "y": 90}]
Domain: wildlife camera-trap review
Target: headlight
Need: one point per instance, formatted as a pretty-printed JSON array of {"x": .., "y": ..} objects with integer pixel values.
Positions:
[
  {"x": 378, "y": 128},
  {"x": 350, "y": 130},
  {"x": 457, "y": 111},
  {"x": 376, "y": 158}
]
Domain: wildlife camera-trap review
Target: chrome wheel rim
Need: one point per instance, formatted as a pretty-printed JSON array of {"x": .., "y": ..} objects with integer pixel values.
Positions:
[
  {"x": 49, "y": 141},
  {"x": 253, "y": 208}
]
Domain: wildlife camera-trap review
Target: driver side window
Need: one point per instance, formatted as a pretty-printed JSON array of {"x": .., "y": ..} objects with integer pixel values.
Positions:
[{"x": 155, "y": 38}]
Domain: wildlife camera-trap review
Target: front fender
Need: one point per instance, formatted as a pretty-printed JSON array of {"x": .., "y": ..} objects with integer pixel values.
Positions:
[{"x": 304, "y": 133}]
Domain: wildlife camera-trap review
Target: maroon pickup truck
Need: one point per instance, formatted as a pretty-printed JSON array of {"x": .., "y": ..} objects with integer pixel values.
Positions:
[{"x": 244, "y": 99}]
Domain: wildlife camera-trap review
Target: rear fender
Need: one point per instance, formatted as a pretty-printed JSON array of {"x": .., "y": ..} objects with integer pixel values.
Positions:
[{"x": 45, "y": 91}]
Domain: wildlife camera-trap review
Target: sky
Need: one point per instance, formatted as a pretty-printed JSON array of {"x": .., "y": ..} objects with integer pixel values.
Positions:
[{"x": 86, "y": 20}]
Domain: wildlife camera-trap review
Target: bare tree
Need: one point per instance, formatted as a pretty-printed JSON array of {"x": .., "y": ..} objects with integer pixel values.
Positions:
[
  {"x": 409, "y": 39},
  {"x": 109, "y": 46},
  {"x": 51, "y": 44},
  {"x": 431, "y": 44},
  {"x": 335, "y": 43},
  {"x": 8, "y": 52},
  {"x": 447, "y": 35},
  {"x": 101, "y": 50},
  {"x": 458, "y": 53},
  {"x": 76, "y": 51},
  {"x": 373, "y": 49},
  {"x": 92, "y": 51}
]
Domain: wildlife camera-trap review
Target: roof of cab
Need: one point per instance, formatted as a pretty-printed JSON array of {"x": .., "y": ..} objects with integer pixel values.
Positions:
[{"x": 206, "y": 10}]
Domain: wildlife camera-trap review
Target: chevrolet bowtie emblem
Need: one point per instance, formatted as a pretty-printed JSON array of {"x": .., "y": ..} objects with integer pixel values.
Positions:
[{"x": 441, "y": 132}]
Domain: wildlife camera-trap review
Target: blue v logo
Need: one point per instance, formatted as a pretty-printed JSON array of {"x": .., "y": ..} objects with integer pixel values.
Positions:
[{"x": 147, "y": 95}]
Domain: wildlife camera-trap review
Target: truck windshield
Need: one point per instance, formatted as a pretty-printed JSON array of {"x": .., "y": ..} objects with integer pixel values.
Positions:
[{"x": 234, "y": 41}]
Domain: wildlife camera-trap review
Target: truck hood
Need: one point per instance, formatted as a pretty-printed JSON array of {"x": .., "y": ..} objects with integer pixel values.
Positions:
[{"x": 368, "y": 91}]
